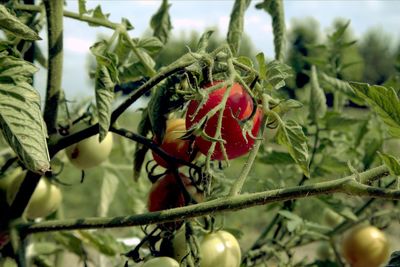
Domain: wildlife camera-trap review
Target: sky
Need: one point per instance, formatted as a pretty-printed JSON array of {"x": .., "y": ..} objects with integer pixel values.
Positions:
[{"x": 189, "y": 15}]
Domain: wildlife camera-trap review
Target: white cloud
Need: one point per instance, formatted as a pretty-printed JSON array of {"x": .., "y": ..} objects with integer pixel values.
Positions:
[{"x": 77, "y": 45}]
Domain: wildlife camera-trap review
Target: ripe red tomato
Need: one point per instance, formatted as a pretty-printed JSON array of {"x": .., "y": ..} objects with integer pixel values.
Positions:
[
  {"x": 173, "y": 145},
  {"x": 166, "y": 193},
  {"x": 239, "y": 106},
  {"x": 366, "y": 246}
]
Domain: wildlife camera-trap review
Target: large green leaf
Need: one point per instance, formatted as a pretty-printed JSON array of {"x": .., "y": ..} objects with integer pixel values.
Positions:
[
  {"x": 108, "y": 188},
  {"x": 384, "y": 101},
  {"x": 291, "y": 135},
  {"x": 236, "y": 23},
  {"x": 161, "y": 22},
  {"x": 21, "y": 120},
  {"x": 317, "y": 105},
  {"x": 12, "y": 25}
]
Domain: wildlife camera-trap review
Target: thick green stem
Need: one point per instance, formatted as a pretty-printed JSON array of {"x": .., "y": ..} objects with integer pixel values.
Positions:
[{"x": 54, "y": 13}]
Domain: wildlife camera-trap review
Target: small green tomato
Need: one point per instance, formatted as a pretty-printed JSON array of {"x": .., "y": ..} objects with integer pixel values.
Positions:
[{"x": 161, "y": 262}]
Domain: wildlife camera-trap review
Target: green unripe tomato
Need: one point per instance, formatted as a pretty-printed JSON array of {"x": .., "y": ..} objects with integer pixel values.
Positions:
[
  {"x": 220, "y": 249},
  {"x": 161, "y": 262},
  {"x": 179, "y": 246},
  {"x": 45, "y": 200},
  {"x": 7, "y": 178},
  {"x": 90, "y": 152}
]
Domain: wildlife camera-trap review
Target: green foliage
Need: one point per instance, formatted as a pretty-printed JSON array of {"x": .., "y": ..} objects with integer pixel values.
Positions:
[
  {"x": 236, "y": 23},
  {"x": 317, "y": 98},
  {"x": 161, "y": 22}
]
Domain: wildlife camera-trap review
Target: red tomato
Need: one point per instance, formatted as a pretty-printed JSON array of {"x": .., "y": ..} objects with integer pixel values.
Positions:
[
  {"x": 173, "y": 145},
  {"x": 166, "y": 194},
  {"x": 238, "y": 107}
]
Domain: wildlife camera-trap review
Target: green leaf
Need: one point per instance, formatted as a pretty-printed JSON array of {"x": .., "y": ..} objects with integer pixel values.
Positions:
[
  {"x": 108, "y": 189},
  {"x": 333, "y": 84},
  {"x": 203, "y": 41},
  {"x": 104, "y": 243},
  {"x": 21, "y": 119},
  {"x": 277, "y": 73},
  {"x": 276, "y": 157},
  {"x": 152, "y": 45},
  {"x": 391, "y": 162},
  {"x": 82, "y": 7},
  {"x": 105, "y": 80},
  {"x": 335, "y": 121},
  {"x": 8, "y": 262},
  {"x": 70, "y": 242},
  {"x": 98, "y": 14},
  {"x": 275, "y": 9},
  {"x": 161, "y": 23},
  {"x": 290, "y": 134},
  {"x": 12, "y": 25},
  {"x": 236, "y": 23},
  {"x": 317, "y": 105},
  {"x": 262, "y": 66},
  {"x": 384, "y": 101}
]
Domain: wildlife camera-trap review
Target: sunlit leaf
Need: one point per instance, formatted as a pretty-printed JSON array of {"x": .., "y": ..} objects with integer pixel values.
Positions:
[
  {"x": 317, "y": 104},
  {"x": 236, "y": 23},
  {"x": 161, "y": 22}
]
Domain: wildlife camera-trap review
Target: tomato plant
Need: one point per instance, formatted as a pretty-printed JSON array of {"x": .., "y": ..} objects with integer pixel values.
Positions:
[
  {"x": 365, "y": 246},
  {"x": 45, "y": 200},
  {"x": 89, "y": 152},
  {"x": 173, "y": 145},
  {"x": 220, "y": 249},
  {"x": 161, "y": 262},
  {"x": 239, "y": 106}
]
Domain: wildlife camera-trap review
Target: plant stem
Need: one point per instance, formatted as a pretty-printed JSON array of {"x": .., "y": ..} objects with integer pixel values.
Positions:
[
  {"x": 54, "y": 13},
  {"x": 347, "y": 185},
  {"x": 72, "y": 15}
]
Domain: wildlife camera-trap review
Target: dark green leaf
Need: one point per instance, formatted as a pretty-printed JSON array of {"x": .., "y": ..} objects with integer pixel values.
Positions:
[
  {"x": 98, "y": 14},
  {"x": 82, "y": 7},
  {"x": 277, "y": 73},
  {"x": 394, "y": 260},
  {"x": 384, "y": 102},
  {"x": 236, "y": 23},
  {"x": 335, "y": 121},
  {"x": 333, "y": 85},
  {"x": 370, "y": 148},
  {"x": 21, "y": 119},
  {"x": 12, "y": 25},
  {"x": 151, "y": 44},
  {"x": 391, "y": 162},
  {"x": 318, "y": 105},
  {"x": 139, "y": 156},
  {"x": 71, "y": 242},
  {"x": 291, "y": 135},
  {"x": 276, "y": 157},
  {"x": 161, "y": 22}
]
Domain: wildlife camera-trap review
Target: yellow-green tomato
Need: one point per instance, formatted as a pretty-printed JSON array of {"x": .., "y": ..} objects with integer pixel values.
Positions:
[
  {"x": 179, "y": 245},
  {"x": 161, "y": 262},
  {"x": 365, "y": 246},
  {"x": 45, "y": 200},
  {"x": 90, "y": 152},
  {"x": 220, "y": 249}
]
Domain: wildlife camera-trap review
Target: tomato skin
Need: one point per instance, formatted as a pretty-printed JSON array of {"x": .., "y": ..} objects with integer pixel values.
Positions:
[
  {"x": 365, "y": 246},
  {"x": 239, "y": 106},
  {"x": 161, "y": 262},
  {"x": 172, "y": 144},
  {"x": 179, "y": 245},
  {"x": 220, "y": 249},
  {"x": 45, "y": 200},
  {"x": 89, "y": 153}
]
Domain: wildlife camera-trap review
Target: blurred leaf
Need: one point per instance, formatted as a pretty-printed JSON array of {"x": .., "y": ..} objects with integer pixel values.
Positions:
[
  {"x": 103, "y": 242},
  {"x": 277, "y": 73},
  {"x": 276, "y": 157},
  {"x": 340, "y": 121},
  {"x": 7, "y": 262},
  {"x": 108, "y": 188},
  {"x": 21, "y": 119},
  {"x": 294, "y": 221},
  {"x": 339, "y": 33},
  {"x": 70, "y": 242},
  {"x": 98, "y": 14},
  {"x": 262, "y": 66},
  {"x": 330, "y": 164},
  {"x": 82, "y": 7},
  {"x": 204, "y": 40},
  {"x": 45, "y": 248},
  {"x": 384, "y": 102},
  {"x": 318, "y": 105},
  {"x": 391, "y": 162},
  {"x": 161, "y": 22},
  {"x": 371, "y": 146},
  {"x": 139, "y": 156},
  {"x": 291, "y": 135},
  {"x": 12, "y": 25},
  {"x": 151, "y": 44},
  {"x": 347, "y": 213},
  {"x": 236, "y": 23},
  {"x": 394, "y": 259}
]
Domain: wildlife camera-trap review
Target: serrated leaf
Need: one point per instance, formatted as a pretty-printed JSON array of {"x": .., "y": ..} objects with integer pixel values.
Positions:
[
  {"x": 276, "y": 157},
  {"x": 98, "y": 14},
  {"x": 108, "y": 189},
  {"x": 384, "y": 101},
  {"x": 291, "y": 135},
  {"x": 334, "y": 84},
  {"x": 277, "y": 73},
  {"x": 394, "y": 259},
  {"x": 82, "y": 7},
  {"x": 391, "y": 162},
  {"x": 21, "y": 119},
  {"x": 317, "y": 105},
  {"x": 236, "y": 23},
  {"x": 12, "y": 25},
  {"x": 161, "y": 23}
]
